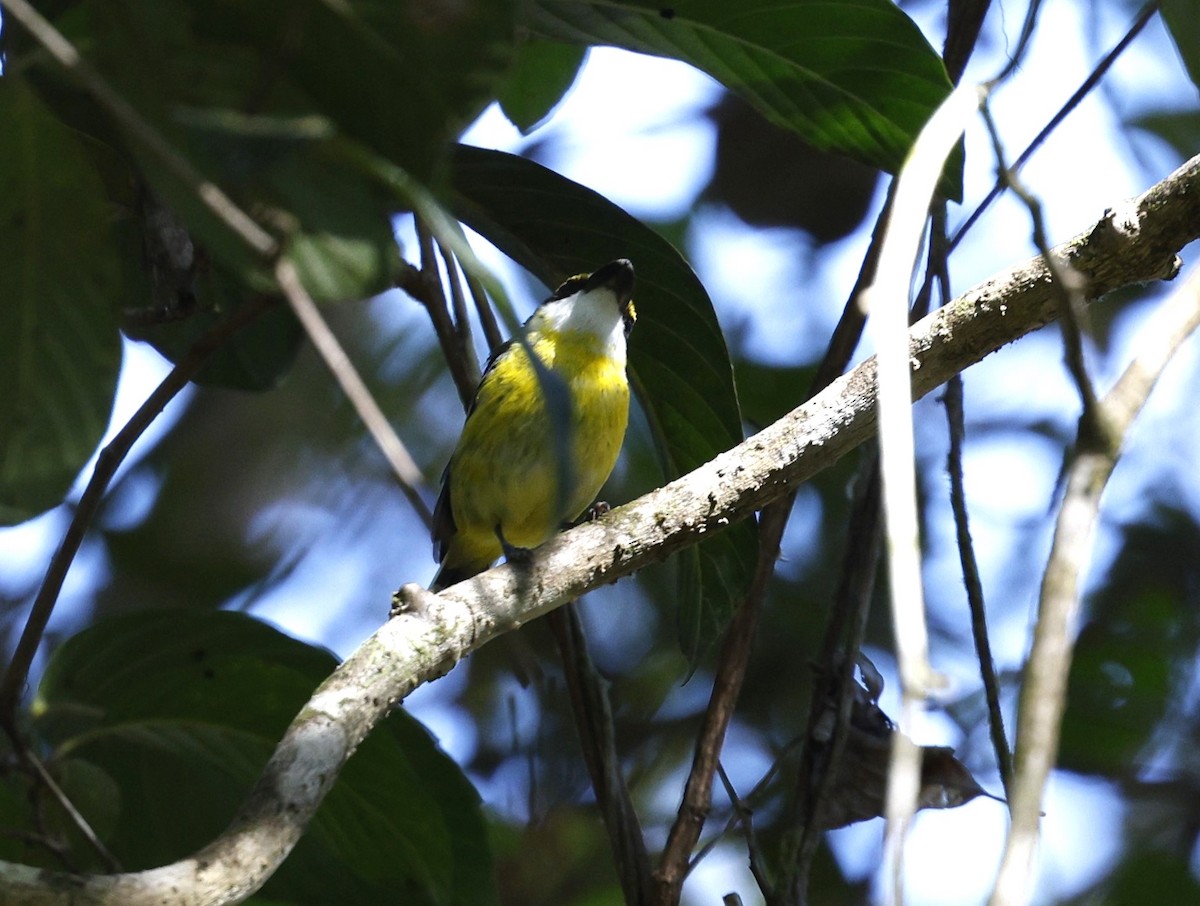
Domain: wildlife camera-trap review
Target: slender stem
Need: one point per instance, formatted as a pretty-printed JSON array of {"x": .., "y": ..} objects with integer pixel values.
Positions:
[
  {"x": 107, "y": 463},
  {"x": 974, "y": 585},
  {"x": 81, "y": 823},
  {"x": 594, "y": 722},
  {"x": 727, "y": 685},
  {"x": 888, "y": 305},
  {"x": 1044, "y": 693},
  {"x": 1068, "y": 284},
  {"x": 1094, "y": 77},
  {"x": 208, "y": 192},
  {"x": 403, "y": 466}
]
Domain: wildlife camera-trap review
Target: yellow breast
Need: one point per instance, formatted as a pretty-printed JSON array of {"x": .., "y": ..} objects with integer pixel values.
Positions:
[{"x": 507, "y": 470}]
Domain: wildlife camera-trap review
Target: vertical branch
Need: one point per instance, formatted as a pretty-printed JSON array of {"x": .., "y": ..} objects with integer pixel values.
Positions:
[
  {"x": 973, "y": 584},
  {"x": 727, "y": 685},
  {"x": 1043, "y": 696},
  {"x": 839, "y": 655},
  {"x": 888, "y": 304},
  {"x": 594, "y": 722}
]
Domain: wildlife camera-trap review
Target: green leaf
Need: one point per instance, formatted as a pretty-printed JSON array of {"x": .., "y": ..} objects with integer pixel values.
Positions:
[
  {"x": 340, "y": 239},
  {"x": 1180, "y": 18},
  {"x": 150, "y": 698},
  {"x": 1121, "y": 681},
  {"x": 404, "y": 78},
  {"x": 541, "y": 76},
  {"x": 1142, "y": 871},
  {"x": 858, "y": 78},
  {"x": 1180, "y": 130},
  {"x": 678, "y": 359},
  {"x": 58, "y": 313}
]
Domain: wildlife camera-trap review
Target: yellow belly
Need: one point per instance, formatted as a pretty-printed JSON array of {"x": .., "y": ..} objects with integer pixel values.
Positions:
[{"x": 507, "y": 471}]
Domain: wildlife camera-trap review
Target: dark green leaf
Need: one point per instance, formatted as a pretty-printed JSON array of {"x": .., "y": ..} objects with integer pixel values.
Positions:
[
  {"x": 58, "y": 315},
  {"x": 152, "y": 697},
  {"x": 364, "y": 64},
  {"x": 541, "y": 75},
  {"x": 1119, "y": 687},
  {"x": 678, "y": 359},
  {"x": 340, "y": 240},
  {"x": 858, "y": 78},
  {"x": 1180, "y": 130},
  {"x": 1146, "y": 876},
  {"x": 1180, "y": 18}
]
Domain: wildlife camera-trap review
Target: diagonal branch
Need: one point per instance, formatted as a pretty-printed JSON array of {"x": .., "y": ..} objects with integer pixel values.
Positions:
[
  {"x": 1043, "y": 696},
  {"x": 433, "y": 632}
]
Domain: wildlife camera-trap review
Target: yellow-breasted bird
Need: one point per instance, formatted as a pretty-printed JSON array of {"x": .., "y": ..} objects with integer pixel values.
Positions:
[{"x": 539, "y": 440}]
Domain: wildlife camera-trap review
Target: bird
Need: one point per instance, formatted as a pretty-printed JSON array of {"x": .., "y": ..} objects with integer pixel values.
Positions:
[{"x": 541, "y": 435}]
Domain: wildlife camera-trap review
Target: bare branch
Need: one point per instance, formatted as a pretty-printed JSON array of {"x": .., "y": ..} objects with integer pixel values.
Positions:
[
  {"x": 1093, "y": 79},
  {"x": 594, "y": 723},
  {"x": 727, "y": 685},
  {"x": 107, "y": 463},
  {"x": 208, "y": 192},
  {"x": 973, "y": 584},
  {"x": 889, "y": 307},
  {"x": 407, "y": 473},
  {"x": 1043, "y": 696}
]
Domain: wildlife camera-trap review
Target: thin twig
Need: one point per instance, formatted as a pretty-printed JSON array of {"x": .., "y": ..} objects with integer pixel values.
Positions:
[
  {"x": 1093, "y": 79},
  {"x": 1044, "y": 692},
  {"x": 973, "y": 584},
  {"x": 209, "y": 193},
  {"x": 727, "y": 684},
  {"x": 849, "y": 329},
  {"x": 1028, "y": 25},
  {"x": 107, "y": 462},
  {"x": 938, "y": 268},
  {"x": 64, "y": 801},
  {"x": 594, "y": 722},
  {"x": 743, "y": 816},
  {"x": 763, "y": 782},
  {"x": 1067, "y": 282},
  {"x": 407, "y": 472}
]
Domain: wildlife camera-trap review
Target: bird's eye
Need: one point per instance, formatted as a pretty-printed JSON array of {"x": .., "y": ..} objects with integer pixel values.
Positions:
[{"x": 629, "y": 317}]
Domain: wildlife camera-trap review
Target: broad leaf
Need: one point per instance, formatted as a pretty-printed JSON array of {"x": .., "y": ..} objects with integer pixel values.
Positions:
[
  {"x": 61, "y": 292},
  {"x": 541, "y": 75},
  {"x": 153, "y": 697},
  {"x": 1180, "y": 18},
  {"x": 678, "y": 358},
  {"x": 858, "y": 78}
]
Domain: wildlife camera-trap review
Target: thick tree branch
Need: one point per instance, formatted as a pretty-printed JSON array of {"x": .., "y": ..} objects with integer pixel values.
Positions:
[{"x": 1134, "y": 244}]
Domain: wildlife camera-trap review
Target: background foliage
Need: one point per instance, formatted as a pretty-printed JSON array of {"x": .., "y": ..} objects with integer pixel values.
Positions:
[{"x": 260, "y": 493}]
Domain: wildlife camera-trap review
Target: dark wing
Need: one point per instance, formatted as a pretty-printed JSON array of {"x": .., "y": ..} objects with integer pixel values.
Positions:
[{"x": 444, "y": 527}]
